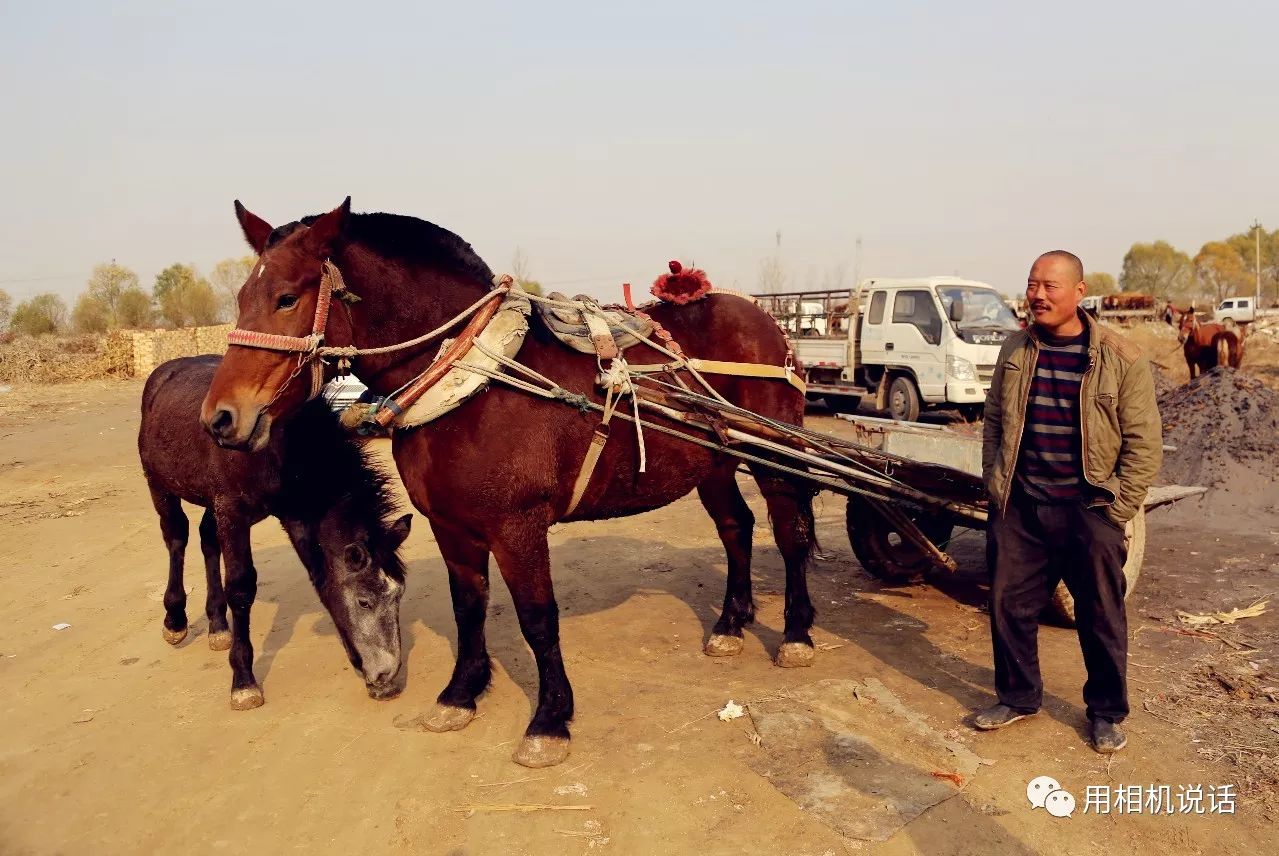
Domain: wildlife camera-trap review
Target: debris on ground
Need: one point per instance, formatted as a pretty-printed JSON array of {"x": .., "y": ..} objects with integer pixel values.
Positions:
[
  {"x": 1198, "y": 620},
  {"x": 1230, "y": 711},
  {"x": 731, "y": 711}
]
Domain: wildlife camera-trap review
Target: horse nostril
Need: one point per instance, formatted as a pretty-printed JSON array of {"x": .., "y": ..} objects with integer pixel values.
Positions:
[{"x": 223, "y": 423}]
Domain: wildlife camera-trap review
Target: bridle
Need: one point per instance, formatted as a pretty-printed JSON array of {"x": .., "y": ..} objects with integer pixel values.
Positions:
[{"x": 311, "y": 349}]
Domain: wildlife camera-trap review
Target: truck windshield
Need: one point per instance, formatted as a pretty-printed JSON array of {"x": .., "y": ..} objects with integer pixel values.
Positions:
[{"x": 981, "y": 308}]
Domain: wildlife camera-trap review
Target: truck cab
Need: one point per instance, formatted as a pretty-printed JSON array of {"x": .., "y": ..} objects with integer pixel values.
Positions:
[
  {"x": 932, "y": 342},
  {"x": 913, "y": 343}
]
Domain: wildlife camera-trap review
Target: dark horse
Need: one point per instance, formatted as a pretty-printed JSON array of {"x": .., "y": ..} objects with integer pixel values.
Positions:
[
  {"x": 1207, "y": 346},
  {"x": 332, "y": 502},
  {"x": 494, "y": 475}
]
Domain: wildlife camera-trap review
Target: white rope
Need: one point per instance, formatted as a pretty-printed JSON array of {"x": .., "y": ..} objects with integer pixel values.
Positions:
[{"x": 352, "y": 351}]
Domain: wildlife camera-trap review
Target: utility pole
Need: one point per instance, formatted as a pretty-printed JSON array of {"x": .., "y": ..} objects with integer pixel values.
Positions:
[{"x": 1256, "y": 229}]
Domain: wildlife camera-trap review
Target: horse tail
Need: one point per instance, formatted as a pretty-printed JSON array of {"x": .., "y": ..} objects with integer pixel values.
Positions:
[{"x": 1223, "y": 349}]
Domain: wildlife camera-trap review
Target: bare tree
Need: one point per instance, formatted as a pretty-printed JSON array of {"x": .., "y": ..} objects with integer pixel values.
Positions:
[
  {"x": 835, "y": 278},
  {"x": 772, "y": 275},
  {"x": 226, "y": 278},
  {"x": 520, "y": 270}
]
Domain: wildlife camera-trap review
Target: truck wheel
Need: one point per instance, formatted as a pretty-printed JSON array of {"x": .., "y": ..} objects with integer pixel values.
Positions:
[
  {"x": 843, "y": 403},
  {"x": 883, "y": 552},
  {"x": 1063, "y": 605},
  {"x": 903, "y": 399}
]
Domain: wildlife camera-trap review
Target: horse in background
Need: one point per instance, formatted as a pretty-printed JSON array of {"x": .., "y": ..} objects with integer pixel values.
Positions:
[{"x": 1207, "y": 346}]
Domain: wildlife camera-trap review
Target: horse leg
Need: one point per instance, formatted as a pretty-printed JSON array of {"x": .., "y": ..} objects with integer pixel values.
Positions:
[
  {"x": 524, "y": 559},
  {"x": 175, "y": 528},
  {"x": 790, "y": 510},
  {"x": 467, "y": 560},
  {"x": 215, "y": 596},
  {"x": 723, "y": 501},
  {"x": 241, "y": 590}
]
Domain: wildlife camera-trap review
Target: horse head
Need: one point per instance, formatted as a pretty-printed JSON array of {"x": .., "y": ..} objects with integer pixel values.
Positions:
[
  {"x": 1188, "y": 326},
  {"x": 265, "y": 373}
]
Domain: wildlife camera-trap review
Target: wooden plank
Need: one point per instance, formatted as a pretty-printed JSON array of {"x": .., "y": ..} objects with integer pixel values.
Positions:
[{"x": 1167, "y": 494}]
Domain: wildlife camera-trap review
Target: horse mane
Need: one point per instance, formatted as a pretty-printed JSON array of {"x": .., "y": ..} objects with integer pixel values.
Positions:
[
  {"x": 406, "y": 239},
  {"x": 324, "y": 465}
]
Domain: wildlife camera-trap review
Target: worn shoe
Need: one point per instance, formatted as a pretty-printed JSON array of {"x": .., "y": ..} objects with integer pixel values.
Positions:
[
  {"x": 997, "y": 716},
  {"x": 1106, "y": 737}
]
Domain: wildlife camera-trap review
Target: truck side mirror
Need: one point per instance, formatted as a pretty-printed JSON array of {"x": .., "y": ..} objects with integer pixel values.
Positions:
[{"x": 956, "y": 312}]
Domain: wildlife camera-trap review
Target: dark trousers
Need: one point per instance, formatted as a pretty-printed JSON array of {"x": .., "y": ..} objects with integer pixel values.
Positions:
[{"x": 1035, "y": 545}]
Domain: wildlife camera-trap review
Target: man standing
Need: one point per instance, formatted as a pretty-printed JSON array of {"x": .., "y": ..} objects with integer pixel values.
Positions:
[{"x": 1072, "y": 442}]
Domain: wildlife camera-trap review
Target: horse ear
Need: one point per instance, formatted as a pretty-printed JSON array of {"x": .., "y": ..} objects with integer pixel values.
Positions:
[
  {"x": 400, "y": 530},
  {"x": 256, "y": 230},
  {"x": 329, "y": 227}
]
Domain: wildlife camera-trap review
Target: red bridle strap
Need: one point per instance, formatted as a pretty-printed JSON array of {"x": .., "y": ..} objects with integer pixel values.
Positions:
[{"x": 306, "y": 347}]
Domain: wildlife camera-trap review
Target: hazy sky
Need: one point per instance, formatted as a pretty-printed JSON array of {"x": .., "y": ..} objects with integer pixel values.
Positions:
[{"x": 950, "y": 136}]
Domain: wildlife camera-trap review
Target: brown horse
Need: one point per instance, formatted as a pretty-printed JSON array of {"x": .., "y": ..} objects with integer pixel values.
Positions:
[
  {"x": 494, "y": 475},
  {"x": 337, "y": 516},
  {"x": 1207, "y": 346}
]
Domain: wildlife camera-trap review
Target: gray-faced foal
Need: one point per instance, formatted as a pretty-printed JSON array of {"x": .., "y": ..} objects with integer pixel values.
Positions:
[{"x": 333, "y": 504}]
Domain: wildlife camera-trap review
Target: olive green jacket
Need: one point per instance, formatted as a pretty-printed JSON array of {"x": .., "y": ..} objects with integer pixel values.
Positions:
[{"x": 1122, "y": 435}]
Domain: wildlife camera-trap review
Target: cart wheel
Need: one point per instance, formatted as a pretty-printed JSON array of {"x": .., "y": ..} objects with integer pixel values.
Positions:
[
  {"x": 1063, "y": 605},
  {"x": 882, "y": 551},
  {"x": 903, "y": 399}
]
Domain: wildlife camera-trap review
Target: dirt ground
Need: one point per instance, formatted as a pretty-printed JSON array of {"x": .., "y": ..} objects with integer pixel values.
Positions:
[{"x": 113, "y": 742}]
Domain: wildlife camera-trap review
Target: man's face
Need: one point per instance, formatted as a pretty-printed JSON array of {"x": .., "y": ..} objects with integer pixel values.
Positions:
[{"x": 1053, "y": 292}]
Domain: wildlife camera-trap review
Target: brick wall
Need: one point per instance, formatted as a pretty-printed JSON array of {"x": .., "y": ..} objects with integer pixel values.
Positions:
[{"x": 153, "y": 347}]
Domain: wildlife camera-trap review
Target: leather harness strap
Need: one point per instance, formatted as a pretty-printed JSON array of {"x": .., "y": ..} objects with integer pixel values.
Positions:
[
  {"x": 599, "y": 437},
  {"x": 445, "y": 361},
  {"x": 723, "y": 367}
]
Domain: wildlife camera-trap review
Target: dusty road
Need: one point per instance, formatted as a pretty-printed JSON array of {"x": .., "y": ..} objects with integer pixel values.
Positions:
[{"x": 113, "y": 742}]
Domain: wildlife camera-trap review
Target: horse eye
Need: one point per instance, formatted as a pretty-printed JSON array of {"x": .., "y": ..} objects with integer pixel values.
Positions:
[
  {"x": 287, "y": 301},
  {"x": 365, "y": 603}
]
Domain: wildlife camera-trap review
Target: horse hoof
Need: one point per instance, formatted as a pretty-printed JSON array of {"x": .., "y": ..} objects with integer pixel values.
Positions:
[
  {"x": 542, "y": 751},
  {"x": 720, "y": 645},
  {"x": 247, "y": 698},
  {"x": 795, "y": 655},
  {"x": 220, "y": 641},
  {"x": 447, "y": 717},
  {"x": 173, "y": 637}
]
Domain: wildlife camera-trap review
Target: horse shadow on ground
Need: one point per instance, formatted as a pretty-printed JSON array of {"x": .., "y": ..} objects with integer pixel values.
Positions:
[
  {"x": 597, "y": 574},
  {"x": 282, "y": 581}
]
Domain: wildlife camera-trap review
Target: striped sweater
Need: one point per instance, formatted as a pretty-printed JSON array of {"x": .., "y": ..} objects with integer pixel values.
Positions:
[{"x": 1050, "y": 466}]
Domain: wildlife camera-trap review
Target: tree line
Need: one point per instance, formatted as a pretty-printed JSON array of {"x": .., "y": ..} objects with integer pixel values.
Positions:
[
  {"x": 115, "y": 299},
  {"x": 1222, "y": 268}
]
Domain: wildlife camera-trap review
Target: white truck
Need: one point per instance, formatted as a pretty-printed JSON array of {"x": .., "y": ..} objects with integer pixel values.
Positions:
[
  {"x": 912, "y": 343},
  {"x": 1234, "y": 311}
]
